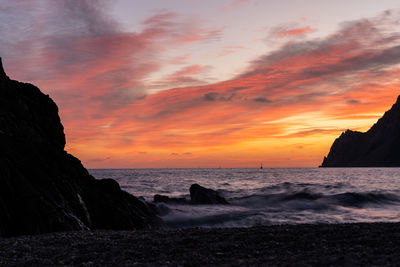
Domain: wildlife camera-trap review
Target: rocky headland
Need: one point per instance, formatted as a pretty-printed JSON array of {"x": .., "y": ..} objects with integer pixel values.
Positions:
[
  {"x": 42, "y": 187},
  {"x": 378, "y": 147}
]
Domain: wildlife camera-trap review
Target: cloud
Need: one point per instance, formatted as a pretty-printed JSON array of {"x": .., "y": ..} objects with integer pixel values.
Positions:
[
  {"x": 289, "y": 94},
  {"x": 300, "y": 93},
  {"x": 109, "y": 65},
  {"x": 261, "y": 99},
  {"x": 186, "y": 76},
  {"x": 215, "y": 96},
  {"x": 283, "y": 32},
  {"x": 181, "y": 154},
  {"x": 353, "y": 101},
  {"x": 298, "y": 78},
  {"x": 357, "y": 46},
  {"x": 309, "y": 132},
  {"x": 227, "y": 50},
  {"x": 212, "y": 96}
]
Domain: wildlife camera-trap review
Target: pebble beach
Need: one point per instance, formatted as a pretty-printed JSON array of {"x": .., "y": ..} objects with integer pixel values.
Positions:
[{"x": 300, "y": 245}]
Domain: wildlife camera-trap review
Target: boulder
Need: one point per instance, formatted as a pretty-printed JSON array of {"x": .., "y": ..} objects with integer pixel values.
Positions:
[
  {"x": 202, "y": 195},
  {"x": 169, "y": 200},
  {"x": 42, "y": 187}
]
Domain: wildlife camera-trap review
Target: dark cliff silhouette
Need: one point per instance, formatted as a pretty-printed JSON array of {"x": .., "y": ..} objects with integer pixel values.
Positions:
[
  {"x": 42, "y": 187},
  {"x": 378, "y": 147}
]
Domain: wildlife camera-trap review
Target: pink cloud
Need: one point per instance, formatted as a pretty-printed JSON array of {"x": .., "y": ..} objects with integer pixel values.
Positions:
[
  {"x": 323, "y": 75},
  {"x": 186, "y": 76},
  {"x": 294, "y": 79},
  {"x": 88, "y": 45},
  {"x": 180, "y": 60},
  {"x": 99, "y": 73},
  {"x": 227, "y": 50},
  {"x": 294, "y": 32},
  {"x": 189, "y": 70}
]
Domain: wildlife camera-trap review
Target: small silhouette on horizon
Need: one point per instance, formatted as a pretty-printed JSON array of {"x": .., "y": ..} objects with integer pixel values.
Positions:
[{"x": 261, "y": 166}]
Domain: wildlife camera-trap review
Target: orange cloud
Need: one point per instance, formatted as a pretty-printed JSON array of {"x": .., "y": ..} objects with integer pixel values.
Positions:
[
  {"x": 301, "y": 95},
  {"x": 294, "y": 32}
]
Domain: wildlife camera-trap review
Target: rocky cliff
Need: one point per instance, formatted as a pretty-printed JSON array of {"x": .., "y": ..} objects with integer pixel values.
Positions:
[
  {"x": 378, "y": 147},
  {"x": 42, "y": 187}
]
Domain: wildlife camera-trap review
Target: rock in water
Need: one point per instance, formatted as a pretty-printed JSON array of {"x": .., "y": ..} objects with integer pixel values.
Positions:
[
  {"x": 171, "y": 200},
  {"x": 42, "y": 187},
  {"x": 202, "y": 195},
  {"x": 378, "y": 147}
]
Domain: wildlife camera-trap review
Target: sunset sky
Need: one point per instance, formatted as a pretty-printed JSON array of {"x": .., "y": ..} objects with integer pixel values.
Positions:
[{"x": 211, "y": 83}]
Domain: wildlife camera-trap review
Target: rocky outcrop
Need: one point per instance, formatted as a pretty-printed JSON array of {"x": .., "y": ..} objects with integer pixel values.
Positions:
[
  {"x": 202, "y": 195},
  {"x": 198, "y": 195},
  {"x": 2, "y": 72},
  {"x": 42, "y": 187},
  {"x": 169, "y": 200},
  {"x": 378, "y": 147}
]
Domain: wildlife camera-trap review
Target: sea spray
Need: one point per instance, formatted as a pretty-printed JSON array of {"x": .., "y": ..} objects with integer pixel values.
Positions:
[{"x": 269, "y": 196}]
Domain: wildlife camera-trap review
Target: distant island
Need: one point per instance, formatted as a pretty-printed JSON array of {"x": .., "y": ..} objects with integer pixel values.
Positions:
[{"x": 378, "y": 147}]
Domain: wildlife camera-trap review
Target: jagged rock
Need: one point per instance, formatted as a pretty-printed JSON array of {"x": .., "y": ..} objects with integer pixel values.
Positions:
[
  {"x": 202, "y": 195},
  {"x": 378, "y": 147},
  {"x": 169, "y": 200},
  {"x": 42, "y": 187}
]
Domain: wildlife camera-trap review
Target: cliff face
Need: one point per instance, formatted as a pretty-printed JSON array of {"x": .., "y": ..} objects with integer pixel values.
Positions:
[
  {"x": 378, "y": 147},
  {"x": 42, "y": 187}
]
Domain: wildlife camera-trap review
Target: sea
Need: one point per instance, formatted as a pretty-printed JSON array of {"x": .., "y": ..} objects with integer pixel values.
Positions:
[{"x": 268, "y": 196}]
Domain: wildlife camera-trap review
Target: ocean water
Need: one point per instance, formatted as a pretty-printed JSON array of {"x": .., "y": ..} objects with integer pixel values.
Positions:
[{"x": 269, "y": 196}]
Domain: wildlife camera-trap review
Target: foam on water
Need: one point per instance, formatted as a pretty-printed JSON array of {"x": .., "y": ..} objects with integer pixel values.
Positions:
[{"x": 269, "y": 196}]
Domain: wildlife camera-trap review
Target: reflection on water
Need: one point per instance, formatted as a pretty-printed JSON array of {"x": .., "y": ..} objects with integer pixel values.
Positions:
[{"x": 270, "y": 196}]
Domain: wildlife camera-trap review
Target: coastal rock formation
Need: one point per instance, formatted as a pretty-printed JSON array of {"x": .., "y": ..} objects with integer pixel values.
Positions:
[
  {"x": 169, "y": 200},
  {"x": 202, "y": 195},
  {"x": 378, "y": 147},
  {"x": 198, "y": 195},
  {"x": 42, "y": 187}
]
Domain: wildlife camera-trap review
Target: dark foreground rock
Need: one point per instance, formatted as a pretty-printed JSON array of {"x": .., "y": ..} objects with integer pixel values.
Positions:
[
  {"x": 376, "y": 244},
  {"x": 202, "y": 195},
  {"x": 378, "y": 147},
  {"x": 42, "y": 187},
  {"x": 198, "y": 195}
]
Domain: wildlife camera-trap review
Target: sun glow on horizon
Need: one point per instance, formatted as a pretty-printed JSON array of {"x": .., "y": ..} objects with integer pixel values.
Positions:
[{"x": 216, "y": 85}]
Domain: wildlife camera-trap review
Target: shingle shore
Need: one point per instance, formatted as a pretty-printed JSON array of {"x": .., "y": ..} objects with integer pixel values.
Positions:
[{"x": 324, "y": 244}]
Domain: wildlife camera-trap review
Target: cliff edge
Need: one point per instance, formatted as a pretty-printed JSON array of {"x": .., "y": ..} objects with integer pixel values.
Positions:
[
  {"x": 42, "y": 187},
  {"x": 378, "y": 147}
]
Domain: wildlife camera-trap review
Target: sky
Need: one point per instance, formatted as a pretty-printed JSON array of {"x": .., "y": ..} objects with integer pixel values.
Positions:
[{"x": 227, "y": 83}]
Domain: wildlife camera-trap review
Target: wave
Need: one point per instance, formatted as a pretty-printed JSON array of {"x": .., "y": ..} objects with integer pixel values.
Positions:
[
  {"x": 285, "y": 203},
  {"x": 270, "y": 196},
  {"x": 354, "y": 199},
  {"x": 306, "y": 199}
]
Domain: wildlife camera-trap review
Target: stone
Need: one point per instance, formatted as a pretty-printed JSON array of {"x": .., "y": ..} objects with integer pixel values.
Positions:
[
  {"x": 169, "y": 200},
  {"x": 202, "y": 195}
]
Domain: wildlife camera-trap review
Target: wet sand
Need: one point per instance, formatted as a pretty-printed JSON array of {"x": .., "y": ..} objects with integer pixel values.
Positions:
[{"x": 325, "y": 244}]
